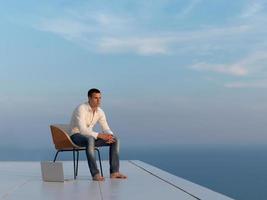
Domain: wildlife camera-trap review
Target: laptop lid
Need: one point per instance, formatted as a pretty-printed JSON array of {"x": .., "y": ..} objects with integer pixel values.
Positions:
[{"x": 52, "y": 171}]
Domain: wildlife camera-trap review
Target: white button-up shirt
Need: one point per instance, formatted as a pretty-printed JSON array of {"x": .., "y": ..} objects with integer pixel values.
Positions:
[{"x": 84, "y": 119}]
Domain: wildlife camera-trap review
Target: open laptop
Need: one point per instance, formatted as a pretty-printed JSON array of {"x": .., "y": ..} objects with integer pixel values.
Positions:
[{"x": 52, "y": 171}]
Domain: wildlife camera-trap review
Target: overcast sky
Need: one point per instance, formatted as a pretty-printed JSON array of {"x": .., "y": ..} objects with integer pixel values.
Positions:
[{"x": 171, "y": 72}]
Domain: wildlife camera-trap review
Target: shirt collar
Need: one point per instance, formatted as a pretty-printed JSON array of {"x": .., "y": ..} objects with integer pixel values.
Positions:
[{"x": 90, "y": 109}]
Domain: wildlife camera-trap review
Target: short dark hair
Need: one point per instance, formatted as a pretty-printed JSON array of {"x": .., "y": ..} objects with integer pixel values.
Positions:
[{"x": 91, "y": 91}]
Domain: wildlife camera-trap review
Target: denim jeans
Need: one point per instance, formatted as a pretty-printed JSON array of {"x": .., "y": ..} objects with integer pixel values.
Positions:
[{"x": 90, "y": 143}]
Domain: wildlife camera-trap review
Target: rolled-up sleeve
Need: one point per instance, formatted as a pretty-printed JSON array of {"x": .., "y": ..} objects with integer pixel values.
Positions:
[{"x": 104, "y": 124}]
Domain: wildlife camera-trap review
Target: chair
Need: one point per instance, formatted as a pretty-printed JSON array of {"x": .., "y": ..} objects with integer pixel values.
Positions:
[{"x": 63, "y": 143}]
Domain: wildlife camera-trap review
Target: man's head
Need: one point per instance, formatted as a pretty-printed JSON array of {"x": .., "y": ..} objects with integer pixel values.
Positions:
[{"x": 94, "y": 97}]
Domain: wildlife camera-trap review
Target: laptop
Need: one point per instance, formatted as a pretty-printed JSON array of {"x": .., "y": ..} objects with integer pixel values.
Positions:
[{"x": 52, "y": 171}]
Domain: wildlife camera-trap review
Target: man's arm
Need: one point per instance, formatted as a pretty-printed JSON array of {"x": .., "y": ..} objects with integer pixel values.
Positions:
[
  {"x": 107, "y": 134},
  {"x": 104, "y": 124}
]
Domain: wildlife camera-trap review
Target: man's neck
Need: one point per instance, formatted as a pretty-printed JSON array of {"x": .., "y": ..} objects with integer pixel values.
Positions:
[{"x": 93, "y": 108}]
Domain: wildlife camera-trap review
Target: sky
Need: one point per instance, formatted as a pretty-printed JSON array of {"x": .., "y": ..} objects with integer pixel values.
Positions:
[{"x": 171, "y": 72}]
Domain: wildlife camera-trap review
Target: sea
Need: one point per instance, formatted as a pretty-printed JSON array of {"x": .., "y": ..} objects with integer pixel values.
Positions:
[{"x": 239, "y": 172}]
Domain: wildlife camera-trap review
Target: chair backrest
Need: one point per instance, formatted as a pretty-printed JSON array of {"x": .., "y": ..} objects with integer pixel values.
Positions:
[{"x": 61, "y": 138}]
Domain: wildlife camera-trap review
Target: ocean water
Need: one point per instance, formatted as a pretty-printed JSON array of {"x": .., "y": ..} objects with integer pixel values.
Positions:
[{"x": 238, "y": 172}]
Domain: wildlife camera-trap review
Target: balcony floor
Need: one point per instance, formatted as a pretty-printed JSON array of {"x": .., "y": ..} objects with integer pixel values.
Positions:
[{"x": 22, "y": 181}]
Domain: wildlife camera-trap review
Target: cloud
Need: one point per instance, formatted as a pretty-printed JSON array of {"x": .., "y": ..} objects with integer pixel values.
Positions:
[
  {"x": 253, "y": 67},
  {"x": 67, "y": 28},
  {"x": 107, "y": 31},
  {"x": 221, "y": 68},
  {"x": 189, "y": 8},
  {"x": 253, "y": 8},
  {"x": 109, "y": 34},
  {"x": 255, "y": 60},
  {"x": 102, "y": 33},
  {"x": 143, "y": 46},
  {"x": 169, "y": 42},
  {"x": 248, "y": 84},
  {"x": 248, "y": 65},
  {"x": 82, "y": 26}
]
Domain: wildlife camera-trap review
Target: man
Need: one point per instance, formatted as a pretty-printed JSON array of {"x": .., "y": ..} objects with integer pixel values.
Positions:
[{"x": 84, "y": 117}]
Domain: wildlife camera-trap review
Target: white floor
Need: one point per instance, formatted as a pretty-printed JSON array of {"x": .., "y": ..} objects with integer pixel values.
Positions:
[{"x": 22, "y": 181}]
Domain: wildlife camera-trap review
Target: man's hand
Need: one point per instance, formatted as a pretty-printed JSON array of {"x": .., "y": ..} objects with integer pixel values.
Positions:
[{"x": 107, "y": 137}]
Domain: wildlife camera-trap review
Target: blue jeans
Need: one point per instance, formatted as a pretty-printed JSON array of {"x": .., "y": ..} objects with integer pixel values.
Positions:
[{"x": 90, "y": 143}]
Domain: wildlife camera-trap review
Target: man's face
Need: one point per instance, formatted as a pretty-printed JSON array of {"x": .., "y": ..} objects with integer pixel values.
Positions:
[{"x": 95, "y": 100}]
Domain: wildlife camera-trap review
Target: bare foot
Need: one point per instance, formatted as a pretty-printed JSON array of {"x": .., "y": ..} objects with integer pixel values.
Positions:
[
  {"x": 117, "y": 175},
  {"x": 97, "y": 177}
]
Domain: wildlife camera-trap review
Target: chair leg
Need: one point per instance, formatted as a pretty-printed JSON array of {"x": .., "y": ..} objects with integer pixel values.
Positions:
[
  {"x": 56, "y": 156},
  {"x": 77, "y": 163},
  {"x": 99, "y": 159},
  {"x": 74, "y": 168}
]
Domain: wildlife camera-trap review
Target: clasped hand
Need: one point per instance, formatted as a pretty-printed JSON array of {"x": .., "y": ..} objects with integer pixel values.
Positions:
[{"x": 107, "y": 137}]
